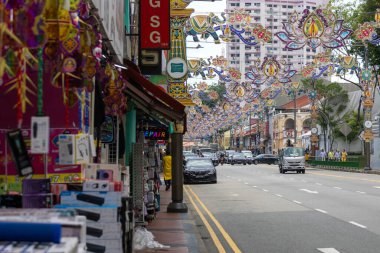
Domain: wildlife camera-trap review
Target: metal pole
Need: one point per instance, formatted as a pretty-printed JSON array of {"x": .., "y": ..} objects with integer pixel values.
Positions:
[
  {"x": 295, "y": 117},
  {"x": 250, "y": 135},
  {"x": 367, "y": 147}
]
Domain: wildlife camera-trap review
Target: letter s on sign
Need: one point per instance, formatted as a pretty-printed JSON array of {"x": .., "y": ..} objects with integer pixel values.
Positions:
[{"x": 155, "y": 21}]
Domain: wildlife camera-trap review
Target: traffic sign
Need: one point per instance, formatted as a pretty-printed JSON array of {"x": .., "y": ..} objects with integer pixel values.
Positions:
[{"x": 345, "y": 129}]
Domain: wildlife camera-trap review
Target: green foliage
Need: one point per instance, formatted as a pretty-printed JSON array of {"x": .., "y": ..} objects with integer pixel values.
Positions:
[
  {"x": 356, "y": 13},
  {"x": 331, "y": 101},
  {"x": 220, "y": 89}
]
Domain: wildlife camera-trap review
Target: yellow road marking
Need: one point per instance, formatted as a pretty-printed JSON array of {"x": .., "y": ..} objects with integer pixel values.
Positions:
[
  {"x": 226, "y": 236},
  {"x": 328, "y": 175},
  {"x": 216, "y": 240}
]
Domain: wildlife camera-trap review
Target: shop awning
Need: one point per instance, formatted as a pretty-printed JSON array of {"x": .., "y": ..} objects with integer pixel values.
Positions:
[{"x": 151, "y": 97}]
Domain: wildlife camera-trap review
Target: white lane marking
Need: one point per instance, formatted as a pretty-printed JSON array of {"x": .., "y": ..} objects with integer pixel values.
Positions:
[
  {"x": 337, "y": 188},
  {"x": 303, "y": 180},
  {"x": 254, "y": 186},
  {"x": 318, "y": 184},
  {"x": 245, "y": 183},
  {"x": 234, "y": 195},
  {"x": 279, "y": 195},
  {"x": 320, "y": 210},
  {"x": 239, "y": 180},
  {"x": 228, "y": 176},
  {"x": 309, "y": 191},
  {"x": 360, "y": 192},
  {"x": 328, "y": 250},
  {"x": 265, "y": 190},
  {"x": 357, "y": 224},
  {"x": 377, "y": 187},
  {"x": 297, "y": 202}
]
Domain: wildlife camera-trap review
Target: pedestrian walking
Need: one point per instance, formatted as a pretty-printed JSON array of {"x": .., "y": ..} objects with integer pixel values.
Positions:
[
  {"x": 167, "y": 165},
  {"x": 337, "y": 155},
  {"x": 331, "y": 155},
  {"x": 323, "y": 155},
  {"x": 344, "y": 155}
]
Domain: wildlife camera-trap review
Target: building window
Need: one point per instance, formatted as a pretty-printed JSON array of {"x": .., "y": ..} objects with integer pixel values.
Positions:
[
  {"x": 284, "y": 13},
  {"x": 248, "y": 47},
  {"x": 247, "y": 4},
  {"x": 256, "y": 11},
  {"x": 256, "y": 4},
  {"x": 290, "y": 6},
  {"x": 284, "y": 6},
  {"x": 269, "y": 5}
]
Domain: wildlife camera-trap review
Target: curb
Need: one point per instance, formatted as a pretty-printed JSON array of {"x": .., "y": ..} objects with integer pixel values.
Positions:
[{"x": 376, "y": 172}]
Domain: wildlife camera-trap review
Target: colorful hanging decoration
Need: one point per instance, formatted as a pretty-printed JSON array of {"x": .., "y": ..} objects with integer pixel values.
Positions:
[
  {"x": 322, "y": 64},
  {"x": 270, "y": 71},
  {"x": 313, "y": 29},
  {"x": 237, "y": 24},
  {"x": 366, "y": 32},
  {"x": 197, "y": 67}
]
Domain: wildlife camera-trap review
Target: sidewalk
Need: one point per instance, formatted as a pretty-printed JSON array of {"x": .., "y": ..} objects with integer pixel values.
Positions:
[{"x": 177, "y": 230}]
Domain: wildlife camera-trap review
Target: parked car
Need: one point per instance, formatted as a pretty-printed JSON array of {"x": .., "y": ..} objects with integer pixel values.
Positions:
[
  {"x": 213, "y": 157},
  {"x": 199, "y": 170},
  {"x": 265, "y": 158},
  {"x": 238, "y": 158},
  {"x": 186, "y": 156},
  {"x": 249, "y": 156},
  {"x": 229, "y": 154}
]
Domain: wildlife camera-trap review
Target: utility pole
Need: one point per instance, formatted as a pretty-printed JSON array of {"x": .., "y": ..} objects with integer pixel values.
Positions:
[
  {"x": 250, "y": 134},
  {"x": 295, "y": 116}
]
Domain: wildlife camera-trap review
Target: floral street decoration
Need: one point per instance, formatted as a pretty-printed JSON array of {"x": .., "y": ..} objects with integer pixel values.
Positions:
[
  {"x": 313, "y": 29},
  {"x": 231, "y": 25},
  {"x": 322, "y": 64},
  {"x": 367, "y": 32},
  {"x": 270, "y": 71}
]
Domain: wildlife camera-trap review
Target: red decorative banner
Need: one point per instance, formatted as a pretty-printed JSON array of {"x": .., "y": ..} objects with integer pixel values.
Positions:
[{"x": 155, "y": 24}]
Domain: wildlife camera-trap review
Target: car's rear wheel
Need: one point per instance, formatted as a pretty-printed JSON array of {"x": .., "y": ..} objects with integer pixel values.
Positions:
[
  {"x": 303, "y": 171},
  {"x": 256, "y": 162},
  {"x": 244, "y": 164},
  {"x": 275, "y": 162},
  {"x": 232, "y": 163}
]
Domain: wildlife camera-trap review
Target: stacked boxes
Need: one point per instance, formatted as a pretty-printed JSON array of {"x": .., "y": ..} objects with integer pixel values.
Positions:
[{"x": 104, "y": 229}]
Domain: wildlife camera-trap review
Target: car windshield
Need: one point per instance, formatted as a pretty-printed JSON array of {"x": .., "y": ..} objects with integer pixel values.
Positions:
[
  {"x": 239, "y": 155},
  {"x": 207, "y": 154},
  {"x": 248, "y": 155},
  {"x": 199, "y": 163},
  {"x": 293, "y": 152}
]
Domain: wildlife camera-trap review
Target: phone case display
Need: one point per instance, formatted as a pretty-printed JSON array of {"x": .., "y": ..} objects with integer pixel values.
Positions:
[
  {"x": 40, "y": 135},
  {"x": 42, "y": 230}
]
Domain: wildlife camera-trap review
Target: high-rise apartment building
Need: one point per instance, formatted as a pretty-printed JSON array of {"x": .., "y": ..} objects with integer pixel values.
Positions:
[{"x": 270, "y": 14}]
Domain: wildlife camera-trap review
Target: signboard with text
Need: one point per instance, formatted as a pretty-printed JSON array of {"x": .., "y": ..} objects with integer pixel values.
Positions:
[{"x": 155, "y": 24}]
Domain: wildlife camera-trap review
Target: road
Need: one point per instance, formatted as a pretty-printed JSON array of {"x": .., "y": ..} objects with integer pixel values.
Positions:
[{"x": 255, "y": 209}]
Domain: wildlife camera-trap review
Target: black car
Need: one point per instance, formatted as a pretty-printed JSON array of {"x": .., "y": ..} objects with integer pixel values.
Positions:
[
  {"x": 199, "y": 170},
  {"x": 238, "y": 158},
  {"x": 213, "y": 156},
  {"x": 265, "y": 158}
]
